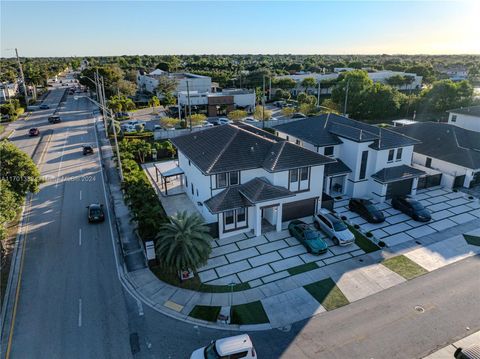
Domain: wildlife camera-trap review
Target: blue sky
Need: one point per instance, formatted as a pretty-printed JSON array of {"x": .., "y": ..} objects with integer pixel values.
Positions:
[{"x": 70, "y": 28}]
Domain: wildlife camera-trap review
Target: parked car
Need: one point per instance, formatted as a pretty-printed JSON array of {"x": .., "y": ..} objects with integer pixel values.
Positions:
[
  {"x": 273, "y": 119},
  {"x": 87, "y": 149},
  {"x": 122, "y": 115},
  {"x": 333, "y": 227},
  {"x": 54, "y": 119},
  {"x": 224, "y": 121},
  {"x": 299, "y": 115},
  {"x": 95, "y": 213},
  {"x": 279, "y": 104},
  {"x": 308, "y": 236},
  {"x": 472, "y": 352},
  {"x": 366, "y": 210},
  {"x": 44, "y": 106},
  {"x": 239, "y": 346},
  {"x": 412, "y": 208},
  {"x": 250, "y": 120},
  {"x": 33, "y": 132},
  {"x": 203, "y": 124}
]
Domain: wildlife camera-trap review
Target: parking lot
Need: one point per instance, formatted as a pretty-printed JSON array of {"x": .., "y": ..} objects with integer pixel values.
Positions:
[{"x": 447, "y": 208}]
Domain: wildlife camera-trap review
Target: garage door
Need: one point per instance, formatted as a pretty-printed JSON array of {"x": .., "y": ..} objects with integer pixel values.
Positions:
[
  {"x": 298, "y": 209},
  {"x": 399, "y": 188},
  {"x": 429, "y": 181},
  {"x": 459, "y": 181}
]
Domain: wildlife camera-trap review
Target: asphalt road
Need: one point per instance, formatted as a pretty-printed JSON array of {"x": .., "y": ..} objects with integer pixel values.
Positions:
[{"x": 71, "y": 304}]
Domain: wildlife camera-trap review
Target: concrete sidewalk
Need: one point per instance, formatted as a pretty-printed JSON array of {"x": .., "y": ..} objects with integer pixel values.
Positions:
[{"x": 448, "y": 351}]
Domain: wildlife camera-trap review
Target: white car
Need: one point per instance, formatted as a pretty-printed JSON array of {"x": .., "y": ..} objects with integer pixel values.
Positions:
[
  {"x": 333, "y": 227},
  {"x": 136, "y": 122},
  {"x": 223, "y": 121},
  {"x": 250, "y": 120},
  {"x": 273, "y": 119},
  {"x": 239, "y": 346}
]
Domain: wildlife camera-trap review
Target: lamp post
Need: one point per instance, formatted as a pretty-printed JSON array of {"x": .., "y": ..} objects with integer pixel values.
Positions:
[{"x": 98, "y": 94}]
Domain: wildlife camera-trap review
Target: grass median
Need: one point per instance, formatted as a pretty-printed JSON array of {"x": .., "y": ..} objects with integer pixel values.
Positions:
[
  {"x": 404, "y": 266},
  {"x": 302, "y": 268},
  {"x": 327, "y": 294},
  {"x": 363, "y": 242},
  {"x": 250, "y": 313},
  {"x": 205, "y": 312}
]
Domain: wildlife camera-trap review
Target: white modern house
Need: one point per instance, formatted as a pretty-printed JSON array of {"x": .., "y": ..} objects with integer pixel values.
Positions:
[
  {"x": 465, "y": 117},
  {"x": 452, "y": 151},
  {"x": 8, "y": 91},
  {"x": 242, "y": 179},
  {"x": 149, "y": 82},
  {"x": 371, "y": 161},
  {"x": 454, "y": 73},
  {"x": 376, "y": 76}
]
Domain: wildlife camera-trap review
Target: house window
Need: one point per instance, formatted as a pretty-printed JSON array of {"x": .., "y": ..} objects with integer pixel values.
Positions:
[
  {"x": 299, "y": 179},
  {"x": 363, "y": 165},
  {"x": 229, "y": 217},
  {"x": 189, "y": 163},
  {"x": 186, "y": 181},
  {"x": 328, "y": 151},
  {"x": 297, "y": 142},
  {"x": 241, "y": 215},
  {"x": 197, "y": 192},
  {"x": 233, "y": 178},
  {"x": 235, "y": 219},
  {"x": 391, "y": 153},
  {"x": 454, "y": 118},
  {"x": 288, "y": 138},
  {"x": 193, "y": 191},
  {"x": 399, "y": 154},
  {"x": 221, "y": 180},
  {"x": 428, "y": 162}
]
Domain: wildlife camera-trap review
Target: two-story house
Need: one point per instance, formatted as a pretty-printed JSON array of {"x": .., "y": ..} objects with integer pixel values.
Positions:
[
  {"x": 371, "y": 161},
  {"x": 243, "y": 178},
  {"x": 465, "y": 117}
]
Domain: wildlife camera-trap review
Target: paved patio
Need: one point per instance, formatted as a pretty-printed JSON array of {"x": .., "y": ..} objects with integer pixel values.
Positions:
[{"x": 448, "y": 209}]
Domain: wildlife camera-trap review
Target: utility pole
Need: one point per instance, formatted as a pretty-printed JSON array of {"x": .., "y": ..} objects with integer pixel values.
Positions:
[
  {"x": 263, "y": 103},
  {"x": 189, "y": 107},
  {"x": 270, "y": 88},
  {"x": 318, "y": 93},
  {"x": 105, "y": 106},
  {"x": 22, "y": 77},
  {"x": 114, "y": 129},
  {"x": 346, "y": 99}
]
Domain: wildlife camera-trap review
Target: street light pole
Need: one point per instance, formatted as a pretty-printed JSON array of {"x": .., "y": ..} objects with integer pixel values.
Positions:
[
  {"x": 346, "y": 99},
  {"x": 263, "y": 103},
  {"x": 23, "y": 78}
]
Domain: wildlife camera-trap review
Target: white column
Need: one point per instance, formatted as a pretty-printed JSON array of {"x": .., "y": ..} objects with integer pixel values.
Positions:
[
  {"x": 279, "y": 218},
  {"x": 258, "y": 221},
  {"x": 414, "y": 186}
]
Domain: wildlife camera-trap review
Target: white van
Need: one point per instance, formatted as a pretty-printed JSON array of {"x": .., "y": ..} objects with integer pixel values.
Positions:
[{"x": 239, "y": 346}]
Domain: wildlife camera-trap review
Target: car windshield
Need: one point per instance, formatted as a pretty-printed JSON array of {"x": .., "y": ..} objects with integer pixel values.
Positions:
[
  {"x": 371, "y": 208},
  {"x": 211, "y": 352},
  {"x": 339, "y": 226},
  {"x": 416, "y": 205},
  {"x": 95, "y": 211},
  {"x": 311, "y": 235}
]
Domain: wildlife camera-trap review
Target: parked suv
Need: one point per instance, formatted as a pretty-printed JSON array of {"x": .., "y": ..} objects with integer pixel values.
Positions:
[
  {"x": 366, "y": 210},
  {"x": 412, "y": 208},
  {"x": 239, "y": 346},
  {"x": 54, "y": 119},
  {"x": 334, "y": 227}
]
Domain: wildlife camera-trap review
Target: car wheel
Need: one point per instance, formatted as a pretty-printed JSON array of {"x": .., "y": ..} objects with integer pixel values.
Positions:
[
  {"x": 309, "y": 250},
  {"x": 335, "y": 241},
  {"x": 317, "y": 226}
]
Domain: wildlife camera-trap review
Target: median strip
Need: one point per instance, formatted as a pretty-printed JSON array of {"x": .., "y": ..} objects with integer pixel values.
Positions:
[
  {"x": 327, "y": 294},
  {"x": 404, "y": 266}
]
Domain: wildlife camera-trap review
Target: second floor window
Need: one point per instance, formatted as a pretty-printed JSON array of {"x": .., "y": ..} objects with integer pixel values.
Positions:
[
  {"x": 454, "y": 118},
  {"x": 299, "y": 179},
  {"x": 399, "y": 154},
  {"x": 228, "y": 179},
  {"x": 328, "y": 151},
  {"x": 363, "y": 165},
  {"x": 391, "y": 153}
]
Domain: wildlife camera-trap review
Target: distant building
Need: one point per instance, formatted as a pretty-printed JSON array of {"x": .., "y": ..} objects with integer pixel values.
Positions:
[
  {"x": 149, "y": 82},
  {"x": 8, "y": 91},
  {"x": 454, "y": 73},
  {"x": 465, "y": 117}
]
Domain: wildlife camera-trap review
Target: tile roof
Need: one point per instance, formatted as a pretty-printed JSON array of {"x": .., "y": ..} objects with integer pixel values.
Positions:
[
  {"x": 231, "y": 148},
  {"x": 471, "y": 111},
  {"x": 329, "y": 129},
  {"x": 446, "y": 142},
  {"x": 245, "y": 195},
  {"x": 397, "y": 173},
  {"x": 336, "y": 168}
]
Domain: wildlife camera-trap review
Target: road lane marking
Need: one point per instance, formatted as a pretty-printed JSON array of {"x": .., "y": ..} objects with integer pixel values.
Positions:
[
  {"x": 79, "y": 236},
  {"x": 80, "y": 195},
  {"x": 140, "y": 308},
  {"x": 61, "y": 158},
  {"x": 80, "y": 313}
]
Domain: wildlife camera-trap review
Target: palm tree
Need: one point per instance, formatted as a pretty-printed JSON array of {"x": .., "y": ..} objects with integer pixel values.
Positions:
[{"x": 183, "y": 243}]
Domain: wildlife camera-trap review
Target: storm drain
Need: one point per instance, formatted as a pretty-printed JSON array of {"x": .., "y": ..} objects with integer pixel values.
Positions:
[{"x": 419, "y": 309}]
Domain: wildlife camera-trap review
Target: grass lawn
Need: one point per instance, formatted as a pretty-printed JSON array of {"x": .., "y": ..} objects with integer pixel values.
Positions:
[
  {"x": 205, "y": 312},
  {"x": 195, "y": 284},
  {"x": 250, "y": 313},
  {"x": 363, "y": 242},
  {"x": 472, "y": 240},
  {"x": 2, "y": 129},
  {"x": 404, "y": 266},
  {"x": 327, "y": 294},
  {"x": 302, "y": 268}
]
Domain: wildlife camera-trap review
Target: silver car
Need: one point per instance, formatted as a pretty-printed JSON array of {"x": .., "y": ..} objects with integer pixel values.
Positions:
[{"x": 333, "y": 227}]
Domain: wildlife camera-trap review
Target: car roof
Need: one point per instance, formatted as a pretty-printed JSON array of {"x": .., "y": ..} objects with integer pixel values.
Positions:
[
  {"x": 233, "y": 345},
  {"x": 94, "y": 205},
  {"x": 329, "y": 215}
]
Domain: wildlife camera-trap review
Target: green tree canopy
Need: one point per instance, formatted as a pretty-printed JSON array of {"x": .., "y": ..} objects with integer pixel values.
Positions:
[
  {"x": 308, "y": 82},
  {"x": 446, "y": 95},
  {"x": 284, "y": 83},
  {"x": 237, "y": 115}
]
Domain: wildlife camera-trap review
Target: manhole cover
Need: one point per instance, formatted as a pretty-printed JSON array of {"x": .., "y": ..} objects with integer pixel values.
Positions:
[{"x": 419, "y": 309}]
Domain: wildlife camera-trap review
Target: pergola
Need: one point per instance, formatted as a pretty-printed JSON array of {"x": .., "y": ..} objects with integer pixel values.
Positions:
[{"x": 165, "y": 175}]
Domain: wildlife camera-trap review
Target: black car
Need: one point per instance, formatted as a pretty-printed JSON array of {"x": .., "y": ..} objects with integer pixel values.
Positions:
[
  {"x": 366, "y": 210},
  {"x": 95, "y": 213},
  {"x": 412, "y": 208},
  {"x": 33, "y": 132},
  {"x": 299, "y": 115},
  {"x": 87, "y": 149},
  {"x": 54, "y": 119},
  {"x": 44, "y": 107}
]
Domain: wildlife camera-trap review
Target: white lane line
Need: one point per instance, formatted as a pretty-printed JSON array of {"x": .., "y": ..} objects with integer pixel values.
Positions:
[
  {"x": 79, "y": 236},
  {"x": 80, "y": 195},
  {"x": 61, "y": 158},
  {"x": 140, "y": 308},
  {"x": 79, "y": 312}
]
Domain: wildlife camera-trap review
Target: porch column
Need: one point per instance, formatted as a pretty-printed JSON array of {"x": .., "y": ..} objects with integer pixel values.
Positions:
[
  {"x": 257, "y": 212},
  {"x": 279, "y": 218},
  {"x": 414, "y": 186}
]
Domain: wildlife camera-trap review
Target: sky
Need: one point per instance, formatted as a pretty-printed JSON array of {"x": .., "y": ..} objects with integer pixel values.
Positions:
[{"x": 81, "y": 28}]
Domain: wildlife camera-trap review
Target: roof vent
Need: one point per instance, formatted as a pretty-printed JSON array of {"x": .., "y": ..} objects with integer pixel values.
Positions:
[{"x": 252, "y": 149}]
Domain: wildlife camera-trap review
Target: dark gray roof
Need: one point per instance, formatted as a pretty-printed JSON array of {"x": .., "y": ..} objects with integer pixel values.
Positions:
[
  {"x": 328, "y": 129},
  {"x": 231, "y": 148},
  {"x": 446, "y": 142},
  {"x": 257, "y": 131},
  {"x": 471, "y": 111},
  {"x": 245, "y": 195},
  {"x": 392, "y": 174},
  {"x": 336, "y": 168}
]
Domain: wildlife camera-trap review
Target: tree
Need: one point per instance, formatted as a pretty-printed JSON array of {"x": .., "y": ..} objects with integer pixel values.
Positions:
[
  {"x": 196, "y": 119},
  {"x": 126, "y": 88},
  {"x": 18, "y": 170},
  {"x": 168, "y": 99},
  {"x": 395, "y": 80},
  {"x": 359, "y": 84},
  {"x": 445, "y": 95},
  {"x": 307, "y": 108},
  {"x": 307, "y": 99},
  {"x": 112, "y": 74},
  {"x": 426, "y": 71},
  {"x": 120, "y": 103},
  {"x": 154, "y": 102},
  {"x": 308, "y": 82},
  {"x": 329, "y": 106},
  {"x": 9, "y": 205},
  {"x": 383, "y": 102},
  {"x": 261, "y": 113},
  {"x": 183, "y": 243},
  {"x": 284, "y": 83},
  {"x": 282, "y": 95},
  {"x": 288, "y": 111},
  {"x": 166, "y": 85},
  {"x": 237, "y": 115},
  {"x": 169, "y": 122}
]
